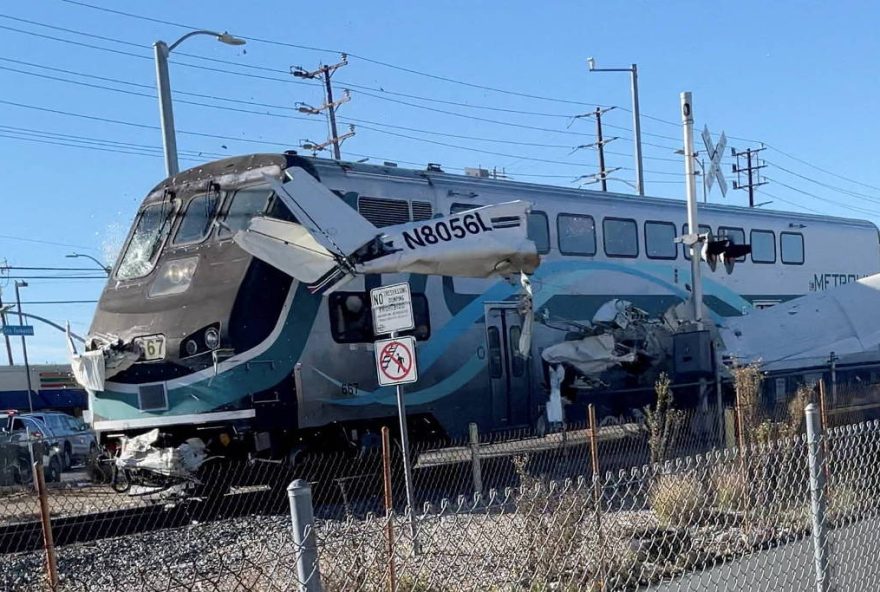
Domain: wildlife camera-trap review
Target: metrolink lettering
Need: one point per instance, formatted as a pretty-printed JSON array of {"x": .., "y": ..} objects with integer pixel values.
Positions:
[{"x": 823, "y": 281}]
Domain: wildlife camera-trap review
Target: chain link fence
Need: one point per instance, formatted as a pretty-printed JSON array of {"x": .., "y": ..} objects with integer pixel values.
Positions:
[{"x": 711, "y": 499}]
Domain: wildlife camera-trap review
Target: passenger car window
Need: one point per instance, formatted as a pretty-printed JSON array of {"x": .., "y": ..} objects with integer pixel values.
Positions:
[
  {"x": 660, "y": 240},
  {"x": 621, "y": 237},
  {"x": 736, "y": 236},
  {"x": 351, "y": 318},
  {"x": 792, "y": 244},
  {"x": 246, "y": 203},
  {"x": 198, "y": 219},
  {"x": 576, "y": 234},
  {"x": 763, "y": 246},
  {"x": 539, "y": 231}
]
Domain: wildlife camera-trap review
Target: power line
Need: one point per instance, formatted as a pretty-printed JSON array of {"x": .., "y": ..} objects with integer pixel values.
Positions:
[
  {"x": 45, "y": 242},
  {"x": 363, "y": 58},
  {"x": 53, "y": 277},
  {"x": 19, "y": 268},
  {"x": 37, "y": 302},
  {"x": 818, "y": 168},
  {"x": 856, "y": 194},
  {"x": 823, "y": 199}
]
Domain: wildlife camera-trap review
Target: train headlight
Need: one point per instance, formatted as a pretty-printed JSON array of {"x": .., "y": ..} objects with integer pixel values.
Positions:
[
  {"x": 191, "y": 347},
  {"x": 174, "y": 277},
  {"x": 212, "y": 338}
]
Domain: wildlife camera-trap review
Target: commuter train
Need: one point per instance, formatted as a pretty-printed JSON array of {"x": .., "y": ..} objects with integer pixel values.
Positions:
[{"x": 226, "y": 340}]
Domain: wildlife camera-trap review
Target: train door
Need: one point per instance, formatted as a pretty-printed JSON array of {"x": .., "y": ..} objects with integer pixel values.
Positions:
[{"x": 508, "y": 371}]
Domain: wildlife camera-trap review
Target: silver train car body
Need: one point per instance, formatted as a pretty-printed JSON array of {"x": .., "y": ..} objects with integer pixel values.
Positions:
[{"x": 237, "y": 343}]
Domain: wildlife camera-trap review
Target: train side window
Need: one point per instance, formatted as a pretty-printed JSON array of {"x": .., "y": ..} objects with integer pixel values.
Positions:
[
  {"x": 621, "y": 237},
  {"x": 246, "y": 203},
  {"x": 458, "y": 208},
  {"x": 660, "y": 240},
  {"x": 351, "y": 318},
  {"x": 792, "y": 248},
  {"x": 495, "y": 367},
  {"x": 684, "y": 230},
  {"x": 539, "y": 231},
  {"x": 517, "y": 362},
  {"x": 198, "y": 219},
  {"x": 576, "y": 234},
  {"x": 737, "y": 236},
  {"x": 763, "y": 246}
]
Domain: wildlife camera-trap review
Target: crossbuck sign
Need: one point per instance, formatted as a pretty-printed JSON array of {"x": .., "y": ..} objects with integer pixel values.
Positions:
[{"x": 715, "y": 152}]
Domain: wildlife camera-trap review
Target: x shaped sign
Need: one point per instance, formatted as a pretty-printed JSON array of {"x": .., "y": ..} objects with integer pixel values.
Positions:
[{"x": 715, "y": 152}]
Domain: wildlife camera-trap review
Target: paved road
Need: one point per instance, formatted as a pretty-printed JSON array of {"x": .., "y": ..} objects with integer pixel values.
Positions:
[{"x": 854, "y": 556}]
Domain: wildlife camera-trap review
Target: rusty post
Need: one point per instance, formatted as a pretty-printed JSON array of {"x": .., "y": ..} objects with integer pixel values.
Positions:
[
  {"x": 743, "y": 463},
  {"x": 597, "y": 492},
  {"x": 48, "y": 540},
  {"x": 389, "y": 507}
]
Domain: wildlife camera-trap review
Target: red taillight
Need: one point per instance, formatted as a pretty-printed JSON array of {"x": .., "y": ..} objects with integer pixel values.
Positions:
[{"x": 37, "y": 434}]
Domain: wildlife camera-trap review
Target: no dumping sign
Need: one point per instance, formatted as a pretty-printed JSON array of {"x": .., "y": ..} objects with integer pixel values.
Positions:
[{"x": 396, "y": 361}]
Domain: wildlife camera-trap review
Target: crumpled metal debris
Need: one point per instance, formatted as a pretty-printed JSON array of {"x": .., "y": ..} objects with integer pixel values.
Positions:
[{"x": 138, "y": 452}]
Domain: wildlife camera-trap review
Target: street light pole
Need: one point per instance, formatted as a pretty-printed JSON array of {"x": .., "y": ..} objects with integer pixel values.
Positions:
[
  {"x": 637, "y": 121},
  {"x": 105, "y": 268},
  {"x": 27, "y": 368},
  {"x": 161, "y": 51}
]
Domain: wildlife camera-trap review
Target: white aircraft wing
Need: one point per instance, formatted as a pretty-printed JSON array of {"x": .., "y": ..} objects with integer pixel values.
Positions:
[
  {"x": 486, "y": 241},
  {"x": 287, "y": 246},
  {"x": 334, "y": 224}
]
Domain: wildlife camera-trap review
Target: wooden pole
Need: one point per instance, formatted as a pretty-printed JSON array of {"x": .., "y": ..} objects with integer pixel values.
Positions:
[
  {"x": 389, "y": 507},
  {"x": 48, "y": 540}
]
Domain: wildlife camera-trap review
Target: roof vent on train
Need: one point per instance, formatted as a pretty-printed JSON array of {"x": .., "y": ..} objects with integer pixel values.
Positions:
[{"x": 434, "y": 167}]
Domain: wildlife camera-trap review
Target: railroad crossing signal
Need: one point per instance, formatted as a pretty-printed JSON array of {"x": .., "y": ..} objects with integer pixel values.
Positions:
[
  {"x": 715, "y": 152},
  {"x": 396, "y": 361}
]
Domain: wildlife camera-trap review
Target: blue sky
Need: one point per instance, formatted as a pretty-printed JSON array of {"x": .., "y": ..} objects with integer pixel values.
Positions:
[{"x": 796, "y": 75}]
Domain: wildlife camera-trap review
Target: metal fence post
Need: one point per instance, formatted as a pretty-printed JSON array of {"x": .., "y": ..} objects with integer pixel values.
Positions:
[
  {"x": 46, "y": 522},
  {"x": 477, "y": 474},
  {"x": 307, "y": 568},
  {"x": 817, "y": 497}
]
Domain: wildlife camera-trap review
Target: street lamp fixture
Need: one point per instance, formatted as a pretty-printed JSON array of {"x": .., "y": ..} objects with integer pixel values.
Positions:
[
  {"x": 701, "y": 172},
  {"x": 161, "y": 51},
  {"x": 104, "y": 268},
  {"x": 637, "y": 125}
]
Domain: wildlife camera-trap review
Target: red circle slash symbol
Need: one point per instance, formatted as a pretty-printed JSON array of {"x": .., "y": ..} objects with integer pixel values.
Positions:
[{"x": 395, "y": 361}]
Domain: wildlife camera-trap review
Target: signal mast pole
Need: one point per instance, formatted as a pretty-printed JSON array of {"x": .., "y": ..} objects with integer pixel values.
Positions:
[{"x": 687, "y": 122}]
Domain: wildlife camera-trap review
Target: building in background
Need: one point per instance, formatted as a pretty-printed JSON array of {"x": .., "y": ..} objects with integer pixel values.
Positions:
[{"x": 54, "y": 387}]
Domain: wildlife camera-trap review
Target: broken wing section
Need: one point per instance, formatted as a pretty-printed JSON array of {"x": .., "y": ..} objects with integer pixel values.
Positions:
[
  {"x": 288, "y": 246},
  {"x": 331, "y": 243}
]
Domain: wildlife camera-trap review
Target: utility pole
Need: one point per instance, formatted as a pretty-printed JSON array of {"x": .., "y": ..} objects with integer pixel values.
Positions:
[
  {"x": 600, "y": 148},
  {"x": 325, "y": 73},
  {"x": 751, "y": 171},
  {"x": 599, "y": 145},
  {"x": 5, "y": 336}
]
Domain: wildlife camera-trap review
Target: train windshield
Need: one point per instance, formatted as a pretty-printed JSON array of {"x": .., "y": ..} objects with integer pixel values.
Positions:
[{"x": 151, "y": 229}]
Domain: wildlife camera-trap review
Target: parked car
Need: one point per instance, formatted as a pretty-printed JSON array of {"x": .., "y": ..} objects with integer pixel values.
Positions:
[
  {"x": 22, "y": 438},
  {"x": 76, "y": 440}
]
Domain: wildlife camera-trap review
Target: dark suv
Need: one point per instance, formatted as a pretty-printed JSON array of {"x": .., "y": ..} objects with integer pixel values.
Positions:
[
  {"x": 74, "y": 438},
  {"x": 20, "y": 439}
]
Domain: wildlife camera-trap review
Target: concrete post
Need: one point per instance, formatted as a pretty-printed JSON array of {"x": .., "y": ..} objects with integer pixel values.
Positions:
[
  {"x": 476, "y": 472},
  {"x": 301, "y": 516},
  {"x": 818, "y": 503}
]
